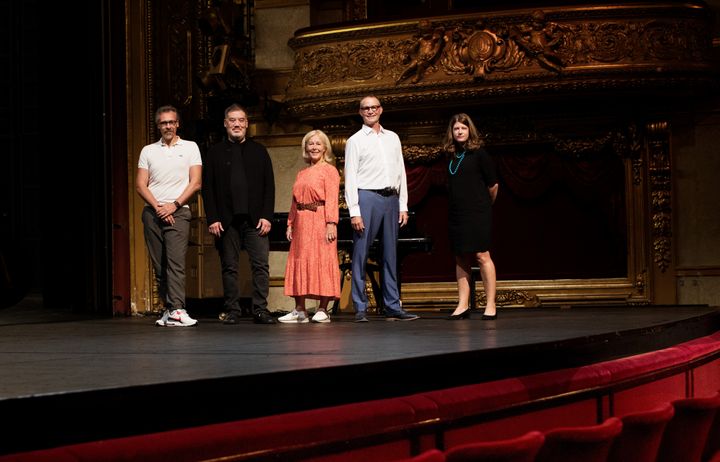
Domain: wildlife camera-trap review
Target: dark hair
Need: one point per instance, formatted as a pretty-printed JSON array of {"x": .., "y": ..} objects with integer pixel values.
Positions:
[
  {"x": 473, "y": 141},
  {"x": 163, "y": 110},
  {"x": 235, "y": 107}
]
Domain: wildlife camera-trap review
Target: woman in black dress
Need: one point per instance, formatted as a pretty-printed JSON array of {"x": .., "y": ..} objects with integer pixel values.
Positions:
[{"x": 473, "y": 187}]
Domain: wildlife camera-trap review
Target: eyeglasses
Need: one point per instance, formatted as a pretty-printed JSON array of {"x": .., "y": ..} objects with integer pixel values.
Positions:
[
  {"x": 369, "y": 108},
  {"x": 163, "y": 123}
]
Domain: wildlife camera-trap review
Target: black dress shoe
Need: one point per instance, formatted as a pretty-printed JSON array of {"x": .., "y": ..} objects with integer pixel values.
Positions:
[
  {"x": 401, "y": 316},
  {"x": 231, "y": 318},
  {"x": 464, "y": 315},
  {"x": 263, "y": 317},
  {"x": 489, "y": 317}
]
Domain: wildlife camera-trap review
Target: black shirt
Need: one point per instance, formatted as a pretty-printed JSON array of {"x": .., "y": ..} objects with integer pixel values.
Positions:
[{"x": 238, "y": 183}]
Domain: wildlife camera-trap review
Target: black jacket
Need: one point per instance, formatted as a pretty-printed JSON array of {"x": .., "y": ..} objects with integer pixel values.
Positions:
[{"x": 216, "y": 182}]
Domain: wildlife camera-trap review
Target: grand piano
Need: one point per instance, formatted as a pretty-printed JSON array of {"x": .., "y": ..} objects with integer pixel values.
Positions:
[{"x": 409, "y": 241}]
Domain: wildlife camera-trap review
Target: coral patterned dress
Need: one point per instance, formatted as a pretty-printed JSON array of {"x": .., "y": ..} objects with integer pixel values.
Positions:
[{"x": 312, "y": 267}]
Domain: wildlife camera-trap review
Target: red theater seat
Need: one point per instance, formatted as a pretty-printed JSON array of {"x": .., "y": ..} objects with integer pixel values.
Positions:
[
  {"x": 521, "y": 449},
  {"x": 686, "y": 434},
  {"x": 587, "y": 444},
  {"x": 713, "y": 439},
  {"x": 431, "y": 455},
  {"x": 641, "y": 435}
]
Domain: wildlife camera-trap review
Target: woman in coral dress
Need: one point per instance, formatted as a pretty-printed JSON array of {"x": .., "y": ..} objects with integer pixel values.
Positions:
[{"x": 312, "y": 269}]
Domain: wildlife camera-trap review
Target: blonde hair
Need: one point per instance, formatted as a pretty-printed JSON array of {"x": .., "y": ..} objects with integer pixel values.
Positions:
[
  {"x": 473, "y": 141},
  {"x": 328, "y": 157}
]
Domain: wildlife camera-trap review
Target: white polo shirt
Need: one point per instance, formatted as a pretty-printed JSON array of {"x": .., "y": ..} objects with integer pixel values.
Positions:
[{"x": 169, "y": 167}]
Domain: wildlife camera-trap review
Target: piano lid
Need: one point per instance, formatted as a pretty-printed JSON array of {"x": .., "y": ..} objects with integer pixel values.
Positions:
[{"x": 409, "y": 239}]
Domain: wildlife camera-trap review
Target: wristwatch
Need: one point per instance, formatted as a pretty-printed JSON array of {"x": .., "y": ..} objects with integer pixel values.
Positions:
[{"x": 177, "y": 205}]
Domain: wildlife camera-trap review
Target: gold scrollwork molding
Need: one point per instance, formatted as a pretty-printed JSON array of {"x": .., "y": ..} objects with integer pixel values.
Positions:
[
  {"x": 503, "y": 53},
  {"x": 635, "y": 146},
  {"x": 421, "y": 153},
  {"x": 640, "y": 282},
  {"x": 625, "y": 143},
  {"x": 659, "y": 175},
  {"x": 509, "y": 297}
]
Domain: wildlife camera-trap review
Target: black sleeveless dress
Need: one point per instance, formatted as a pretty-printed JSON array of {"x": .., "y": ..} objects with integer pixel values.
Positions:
[{"x": 470, "y": 205}]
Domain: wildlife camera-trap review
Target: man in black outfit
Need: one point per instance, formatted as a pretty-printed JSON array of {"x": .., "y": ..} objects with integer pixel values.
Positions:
[{"x": 239, "y": 198}]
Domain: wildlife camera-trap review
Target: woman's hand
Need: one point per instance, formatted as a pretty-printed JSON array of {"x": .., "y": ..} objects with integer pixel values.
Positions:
[{"x": 330, "y": 232}]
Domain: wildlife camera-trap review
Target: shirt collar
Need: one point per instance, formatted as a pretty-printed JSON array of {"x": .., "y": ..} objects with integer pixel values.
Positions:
[
  {"x": 233, "y": 142},
  {"x": 367, "y": 130},
  {"x": 178, "y": 142}
]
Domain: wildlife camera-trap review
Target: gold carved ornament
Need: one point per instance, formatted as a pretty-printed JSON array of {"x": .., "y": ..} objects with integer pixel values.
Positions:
[
  {"x": 503, "y": 44},
  {"x": 661, "y": 192},
  {"x": 509, "y": 297}
]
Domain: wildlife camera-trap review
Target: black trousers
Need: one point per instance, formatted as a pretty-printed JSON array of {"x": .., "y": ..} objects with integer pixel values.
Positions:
[{"x": 242, "y": 235}]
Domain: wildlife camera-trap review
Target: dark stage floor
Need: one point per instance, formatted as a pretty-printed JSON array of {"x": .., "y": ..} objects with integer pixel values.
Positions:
[{"x": 125, "y": 376}]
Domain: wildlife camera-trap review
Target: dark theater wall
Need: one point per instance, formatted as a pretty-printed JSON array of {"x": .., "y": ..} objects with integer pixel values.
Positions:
[{"x": 56, "y": 203}]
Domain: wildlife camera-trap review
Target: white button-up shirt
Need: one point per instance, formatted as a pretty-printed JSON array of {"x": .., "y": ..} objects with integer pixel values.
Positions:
[{"x": 374, "y": 161}]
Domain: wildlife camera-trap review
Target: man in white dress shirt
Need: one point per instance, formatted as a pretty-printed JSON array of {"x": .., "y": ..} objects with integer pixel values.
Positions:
[{"x": 376, "y": 196}]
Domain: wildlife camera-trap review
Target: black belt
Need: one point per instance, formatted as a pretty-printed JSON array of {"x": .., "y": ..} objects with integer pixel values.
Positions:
[{"x": 385, "y": 191}]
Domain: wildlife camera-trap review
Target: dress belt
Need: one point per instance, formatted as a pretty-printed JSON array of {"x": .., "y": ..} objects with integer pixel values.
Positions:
[
  {"x": 385, "y": 191},
  {"x": 312, "y": 206}
]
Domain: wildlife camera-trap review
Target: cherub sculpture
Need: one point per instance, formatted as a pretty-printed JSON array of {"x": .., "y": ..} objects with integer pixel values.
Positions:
[
  {"x": 539, "y": 40},
  {"x": 424, "y": 52}
]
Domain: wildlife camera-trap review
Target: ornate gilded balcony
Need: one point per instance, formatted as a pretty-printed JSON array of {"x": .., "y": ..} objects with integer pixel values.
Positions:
[{"x": 514, "y": 54}]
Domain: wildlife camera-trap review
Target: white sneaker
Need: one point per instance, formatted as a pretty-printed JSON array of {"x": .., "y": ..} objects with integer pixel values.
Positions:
[
  {"x": 163, "y": 319},
  {"x": 179, "y": 318},
  {"x": 294, "y": 317},
  {"x": 320, "y": 316}
]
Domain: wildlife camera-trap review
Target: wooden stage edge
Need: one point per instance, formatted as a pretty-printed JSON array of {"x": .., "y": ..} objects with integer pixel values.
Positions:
[{"x": 66, "y": 380}]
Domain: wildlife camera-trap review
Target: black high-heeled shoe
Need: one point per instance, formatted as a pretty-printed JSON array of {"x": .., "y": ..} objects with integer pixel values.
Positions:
[
  {"x": 489, "y": 317},
  {"x": 464, "y": 315}
]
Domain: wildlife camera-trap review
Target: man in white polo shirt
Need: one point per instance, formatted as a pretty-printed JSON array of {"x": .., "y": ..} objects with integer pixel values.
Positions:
[{"x": 169, "y": 173}]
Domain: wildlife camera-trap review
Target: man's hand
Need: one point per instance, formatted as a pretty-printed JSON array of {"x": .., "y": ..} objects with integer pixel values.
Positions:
[
  {"x": 263, "y": 227},
  {"x": 357, "y": 224},
  {"x": 216, "y": 229},
  {"x": 165, "y": 212},
  {"x": 403, "y": 219}
]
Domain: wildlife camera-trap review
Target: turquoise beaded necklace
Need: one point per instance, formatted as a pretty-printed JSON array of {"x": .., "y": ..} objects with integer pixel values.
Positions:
[{"x": 460, "y": 158}]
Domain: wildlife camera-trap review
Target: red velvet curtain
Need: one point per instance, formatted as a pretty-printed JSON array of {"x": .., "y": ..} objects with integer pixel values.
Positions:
[{"x": 557, "y": 215}]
